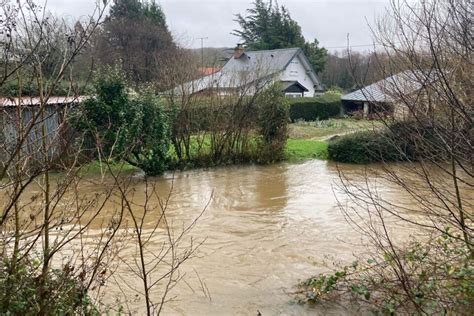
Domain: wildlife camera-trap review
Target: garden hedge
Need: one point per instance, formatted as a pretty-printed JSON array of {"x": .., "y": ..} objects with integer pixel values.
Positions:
[
  {"x": 363, "y": 148},
  {"x": 401, "y": 141},
  {"x": 318, "y": 108}
]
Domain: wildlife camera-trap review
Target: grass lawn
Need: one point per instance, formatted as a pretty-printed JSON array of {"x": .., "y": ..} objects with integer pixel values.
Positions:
[
  {"x": 321, "y": 130},
  {"x": 302, "y": 149},
  {"x": 307, "y": 140}
]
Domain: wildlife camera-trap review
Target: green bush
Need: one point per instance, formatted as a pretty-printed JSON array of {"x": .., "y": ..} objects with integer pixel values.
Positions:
[
  {"x": 272, "y": 124},
  {"x": 364, "y": 147},
  {"x": 20, "y": 291},
  {"x": 319, "y": 108},
  {"x": 401, "y": 141},
  {"x": 438, "y": 280},
  {"x": 129, "y": 127}
]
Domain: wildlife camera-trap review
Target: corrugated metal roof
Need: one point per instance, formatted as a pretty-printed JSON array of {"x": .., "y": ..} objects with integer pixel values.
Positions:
[
  {"x": 386, "y": 90},
  {"x": 36, "y": 101}
]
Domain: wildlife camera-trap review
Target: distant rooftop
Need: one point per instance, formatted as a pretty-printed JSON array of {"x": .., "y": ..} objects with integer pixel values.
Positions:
[
  {"x": 271, "y": 60},
  {"x": 386, "y": 89},
  {"x": 246, "y": 67}
]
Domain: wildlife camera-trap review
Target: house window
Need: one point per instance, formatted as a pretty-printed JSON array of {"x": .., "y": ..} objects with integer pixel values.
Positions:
[{"x": 293, "y": 95}]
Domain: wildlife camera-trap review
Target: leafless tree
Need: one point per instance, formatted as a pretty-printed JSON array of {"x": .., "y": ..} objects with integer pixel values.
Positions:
[
  {"x": 348, "y": 69},
  {"x": 427, "y": 41},
  {"x": 220, "y": 109},
  {"x": 428, "y": 45},
  {"x": 66, "y": 238}
]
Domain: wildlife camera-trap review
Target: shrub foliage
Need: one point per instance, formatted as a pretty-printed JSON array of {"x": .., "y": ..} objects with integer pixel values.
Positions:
[
  {"x": 362, "y": 148},
  {"x": 432, "y": 278},
  {"x": 272, "y": 124},
  {"x": 125, "y": 126},
  {"x": 197, "y": 130},
  {"x": 211, "y": 130},
  {"x": 401, "y": 141},
  {"x": 21, "y": 290},
  {"x": 319, "y": 108}
]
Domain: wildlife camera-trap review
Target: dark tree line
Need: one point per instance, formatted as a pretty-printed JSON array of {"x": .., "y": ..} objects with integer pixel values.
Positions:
[{"x": 349, "y": 71}]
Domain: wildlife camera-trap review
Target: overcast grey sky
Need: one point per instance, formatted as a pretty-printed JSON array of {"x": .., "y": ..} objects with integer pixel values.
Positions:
[{"x": 327, "y": 20}]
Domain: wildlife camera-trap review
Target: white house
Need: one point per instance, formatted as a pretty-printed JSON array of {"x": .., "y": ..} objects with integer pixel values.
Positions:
[{"x": 247, "y": 71}]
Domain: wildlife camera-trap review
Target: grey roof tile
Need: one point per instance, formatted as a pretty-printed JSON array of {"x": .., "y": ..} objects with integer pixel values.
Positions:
[
  {"x": 386, "y": 89},
  {"x": 250, "y": 67},
  {"x": 272, "y": 60}
]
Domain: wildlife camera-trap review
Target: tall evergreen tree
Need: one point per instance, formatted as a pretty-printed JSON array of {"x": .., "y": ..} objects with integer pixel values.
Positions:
[
  {"x": 136, "y": 36},
  {"x": 126, "y": 9},
  {"x": 268, "y": 26}
]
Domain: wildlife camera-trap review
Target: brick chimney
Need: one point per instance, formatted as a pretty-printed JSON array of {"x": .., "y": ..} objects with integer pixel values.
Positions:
[{"x": 238, "y": 51}]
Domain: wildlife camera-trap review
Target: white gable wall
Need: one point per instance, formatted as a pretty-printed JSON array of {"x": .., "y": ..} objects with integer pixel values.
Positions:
[{"x": 296, "y": 72}]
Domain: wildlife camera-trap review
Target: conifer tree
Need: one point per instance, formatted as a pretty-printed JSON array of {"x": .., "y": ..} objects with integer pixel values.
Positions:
[{"x": 268, "y": 26}]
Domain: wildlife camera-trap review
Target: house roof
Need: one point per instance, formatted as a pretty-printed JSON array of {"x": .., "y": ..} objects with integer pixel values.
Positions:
[
  {"x": 386, "y": 89},
  {"x": 250, "y": 67},
  {"x": 36, "y": 101},
  {"x": 206, "y": 71},
  {"x": 272, "y": 60}
]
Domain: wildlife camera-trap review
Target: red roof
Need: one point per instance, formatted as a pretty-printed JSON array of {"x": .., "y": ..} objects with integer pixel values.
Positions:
[{"x": 206, "y": 71}]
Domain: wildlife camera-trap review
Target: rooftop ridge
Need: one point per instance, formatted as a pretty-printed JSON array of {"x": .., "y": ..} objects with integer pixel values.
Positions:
[{"x": 272, "y": 50}]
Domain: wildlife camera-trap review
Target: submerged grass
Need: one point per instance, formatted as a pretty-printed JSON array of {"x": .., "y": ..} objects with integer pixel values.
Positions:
[{"x": 96, "y": 167}]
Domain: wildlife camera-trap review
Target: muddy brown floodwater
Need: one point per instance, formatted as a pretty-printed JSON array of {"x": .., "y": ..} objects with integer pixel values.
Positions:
[{"x": 266, "y": 228}]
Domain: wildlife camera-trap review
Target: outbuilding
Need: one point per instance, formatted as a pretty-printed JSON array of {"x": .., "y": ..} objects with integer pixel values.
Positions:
[
  {"x": 382, "y": 97},
  {"x": 34, "y": 122}
]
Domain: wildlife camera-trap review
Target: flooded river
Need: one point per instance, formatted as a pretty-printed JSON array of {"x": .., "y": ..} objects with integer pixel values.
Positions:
[{"x": 266, "y": 228}]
